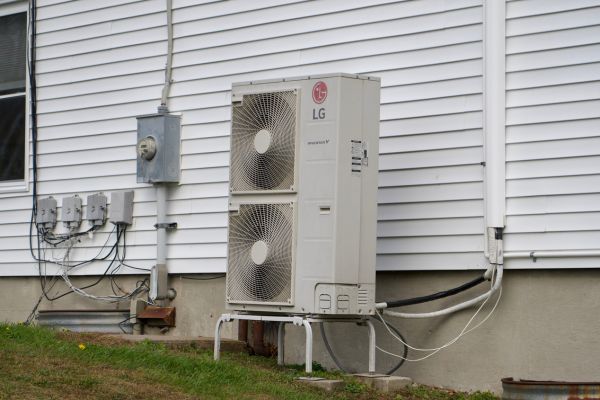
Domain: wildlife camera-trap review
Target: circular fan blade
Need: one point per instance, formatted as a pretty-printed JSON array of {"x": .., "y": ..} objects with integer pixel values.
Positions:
[
  {"x": 266, "y": 227},
  {"x": 263, "y": 142}
]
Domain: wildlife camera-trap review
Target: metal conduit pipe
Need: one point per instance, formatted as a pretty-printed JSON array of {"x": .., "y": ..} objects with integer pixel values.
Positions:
[{"x": 159, "y": 273}]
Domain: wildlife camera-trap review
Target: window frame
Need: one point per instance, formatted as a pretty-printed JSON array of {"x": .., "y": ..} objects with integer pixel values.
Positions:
[{"x": 20, "y": 185}]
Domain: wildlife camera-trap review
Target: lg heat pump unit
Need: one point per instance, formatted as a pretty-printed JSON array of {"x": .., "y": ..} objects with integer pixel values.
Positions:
[{"x": 303, "y": 187}]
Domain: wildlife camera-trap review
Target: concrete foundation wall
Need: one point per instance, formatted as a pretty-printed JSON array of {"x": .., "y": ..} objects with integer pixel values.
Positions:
[{"x": 545, "y": 327}]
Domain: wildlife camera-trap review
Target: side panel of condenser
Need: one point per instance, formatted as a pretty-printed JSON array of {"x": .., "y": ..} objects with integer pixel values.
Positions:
[
  {"x": 316, "y": 191},
  {"x": 348, "y": 183},
  {"x": 368, "y": 214}
]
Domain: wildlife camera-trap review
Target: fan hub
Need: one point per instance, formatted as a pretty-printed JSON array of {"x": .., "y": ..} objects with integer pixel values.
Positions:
[
  {"x": 262, "y": 141},
  {"x": 259, "y": 252}
]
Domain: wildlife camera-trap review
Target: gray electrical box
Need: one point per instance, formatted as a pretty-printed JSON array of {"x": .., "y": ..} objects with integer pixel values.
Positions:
[
  {"x": 96, "y": 209},
  {"x": 158, "y": 148},
  {"x": 46, "y": 212},
  {"x": 71, "y": 211},
  {"x": 121, "y": 207}
]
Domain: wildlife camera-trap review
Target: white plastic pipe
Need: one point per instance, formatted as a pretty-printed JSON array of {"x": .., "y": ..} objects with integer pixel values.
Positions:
[
  {"x": 494, "y": 111},
  {"x": 552, "y": 254},
  {"x": 457, "y": 307}
]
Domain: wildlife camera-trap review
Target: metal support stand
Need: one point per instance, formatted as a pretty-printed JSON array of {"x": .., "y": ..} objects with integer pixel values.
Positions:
[{"x": 298, "y": 321}]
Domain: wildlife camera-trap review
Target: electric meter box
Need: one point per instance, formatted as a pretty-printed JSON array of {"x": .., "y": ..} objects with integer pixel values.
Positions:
[{"x": 158, "y": 148}]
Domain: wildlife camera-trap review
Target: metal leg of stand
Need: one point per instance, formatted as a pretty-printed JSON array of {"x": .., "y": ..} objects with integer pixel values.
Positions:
[
  {"x": 217, "y": 348},
  {"x": 309, "y": 344},
  {"x": 280, "y": 343},
  {"x": 371, "y": 346}
]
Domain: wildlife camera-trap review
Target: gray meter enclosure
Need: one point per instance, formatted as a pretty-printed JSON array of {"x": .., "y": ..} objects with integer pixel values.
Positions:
[{"x": 158, "y": 148}]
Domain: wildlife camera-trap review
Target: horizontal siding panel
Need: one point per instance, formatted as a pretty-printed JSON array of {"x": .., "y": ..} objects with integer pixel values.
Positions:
[
  {"x": 96, "y": 45},
  {"x": 427, "y": 29},
  {"x": 433, "y": 158},
  {"x": 553, "y": 76},
  {"x": 432, "y": 141},
  {"x": 583, "y": 221},
  {"x": 453, "y": 209},
  {"x": 554, "y": 21},
  {"x": 553, "y": 131},
  {"x": 123, "y": 11},
  {"x": 275, "y": 14},
  {"x": 553, "y": 40},
  {"x": 553, "y": 204},
  {"x": 430, "y": 227},
  {"x": 431, "y": 124},
  {"x": 517, "y": 9},
  {"x": 434, "y": 175},
  {"x": 101, "y": 29},
  {"x": 553, "y": 58},
  {"x": 553, "y": 94},
  {"x": 102, "y": 85},
  {"x": 553, "y": 112},
  {"x": 425, "y": 193},
  {"x": 291, "y": 65},
  {"x": 92, "y": 59},
  {"x": 80, "y": 6},
  {"x": 552, "y": 241},
  {"x": 553, "y": 149},
  {"x": 558, "y": 167},
  {"x": 116, "y": 69},
  {"x": 441, "y": 261},
  {"x": 431, "y": 244},
  {"x": 553, "y": 186}
]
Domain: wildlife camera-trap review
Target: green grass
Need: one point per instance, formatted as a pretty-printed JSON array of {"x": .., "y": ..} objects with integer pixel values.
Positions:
[{"x": 39, "y": 363}]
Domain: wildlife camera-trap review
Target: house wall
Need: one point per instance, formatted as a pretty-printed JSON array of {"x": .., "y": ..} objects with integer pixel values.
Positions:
[{"x": 100, "y": 64}]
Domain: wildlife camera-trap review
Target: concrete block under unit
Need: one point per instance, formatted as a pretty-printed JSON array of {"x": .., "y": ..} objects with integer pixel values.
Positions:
[
  {"x": 329, "y": 385},
  {"x": 384, "y": 383},
  {"x": 71, "y": 211},
  {"x": 158, "y": 148},
  {"x": 45, "y": 216},
  {"x": 121, "y": 207},
  {"x": 96, "y": 209}
]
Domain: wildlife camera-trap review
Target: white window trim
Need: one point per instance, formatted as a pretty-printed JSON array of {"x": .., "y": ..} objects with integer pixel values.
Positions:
[{"x": 7, "y": 8}]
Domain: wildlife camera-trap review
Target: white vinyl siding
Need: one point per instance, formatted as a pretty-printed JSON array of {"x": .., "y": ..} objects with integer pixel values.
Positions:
[
  {"x": 101, "y": 64},
  {"x": 553, "y": 130}
]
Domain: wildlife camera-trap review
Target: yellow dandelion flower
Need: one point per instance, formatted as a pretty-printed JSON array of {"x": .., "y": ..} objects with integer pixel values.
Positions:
[{"x": 81, "y": 346}]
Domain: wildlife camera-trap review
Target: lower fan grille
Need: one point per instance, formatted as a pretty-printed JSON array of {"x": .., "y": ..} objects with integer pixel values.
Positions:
[{"x": 260, "y": 254}]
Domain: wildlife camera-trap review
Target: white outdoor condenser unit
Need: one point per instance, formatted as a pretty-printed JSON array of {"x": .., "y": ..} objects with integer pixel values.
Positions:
[{"x": 303, "y": 195}]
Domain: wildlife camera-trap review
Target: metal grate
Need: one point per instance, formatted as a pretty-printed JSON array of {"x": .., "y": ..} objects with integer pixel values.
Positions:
[
  {"x": 263, "y": 142},
  {"x": 260, "y": 254}
]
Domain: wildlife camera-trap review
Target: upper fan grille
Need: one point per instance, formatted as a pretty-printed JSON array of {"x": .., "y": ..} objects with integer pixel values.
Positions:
[
  {"x": 263, "y": 142},
  {"x": 260, "y": 254}
]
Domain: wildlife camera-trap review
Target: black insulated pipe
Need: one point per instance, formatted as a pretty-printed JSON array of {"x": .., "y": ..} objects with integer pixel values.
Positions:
[{"x": 436, "y": 296}]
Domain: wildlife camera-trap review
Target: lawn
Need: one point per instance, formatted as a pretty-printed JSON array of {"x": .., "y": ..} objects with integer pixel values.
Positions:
[{"x": 39, "y": 363}]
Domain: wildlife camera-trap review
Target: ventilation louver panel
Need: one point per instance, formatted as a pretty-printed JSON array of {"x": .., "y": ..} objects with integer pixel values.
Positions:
[
  {"x": 260, "y": 254},
  {"x": 263, "y": 142}
]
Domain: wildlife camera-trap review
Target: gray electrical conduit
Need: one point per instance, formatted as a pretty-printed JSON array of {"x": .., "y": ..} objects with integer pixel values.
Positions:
[
  {"x": 169, "y": 64},
  {"x": 497, "y": 284}
]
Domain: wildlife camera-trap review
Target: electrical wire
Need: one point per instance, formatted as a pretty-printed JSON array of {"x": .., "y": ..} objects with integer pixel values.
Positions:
[
  {"x": 341, "y": 367},
  {"x": 497, "y": 274},
  {"x": 203, "y": 279},
  {"x": 434, "y": 296},
  {"x": 435, "y": 350}
]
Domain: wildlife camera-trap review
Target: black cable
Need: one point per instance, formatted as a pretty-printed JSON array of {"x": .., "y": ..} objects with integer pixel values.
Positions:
[
  {"x": 341, "y": 367},
  {"x": 203, "y": 279},
  {"x": 436, "y": 296}
]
